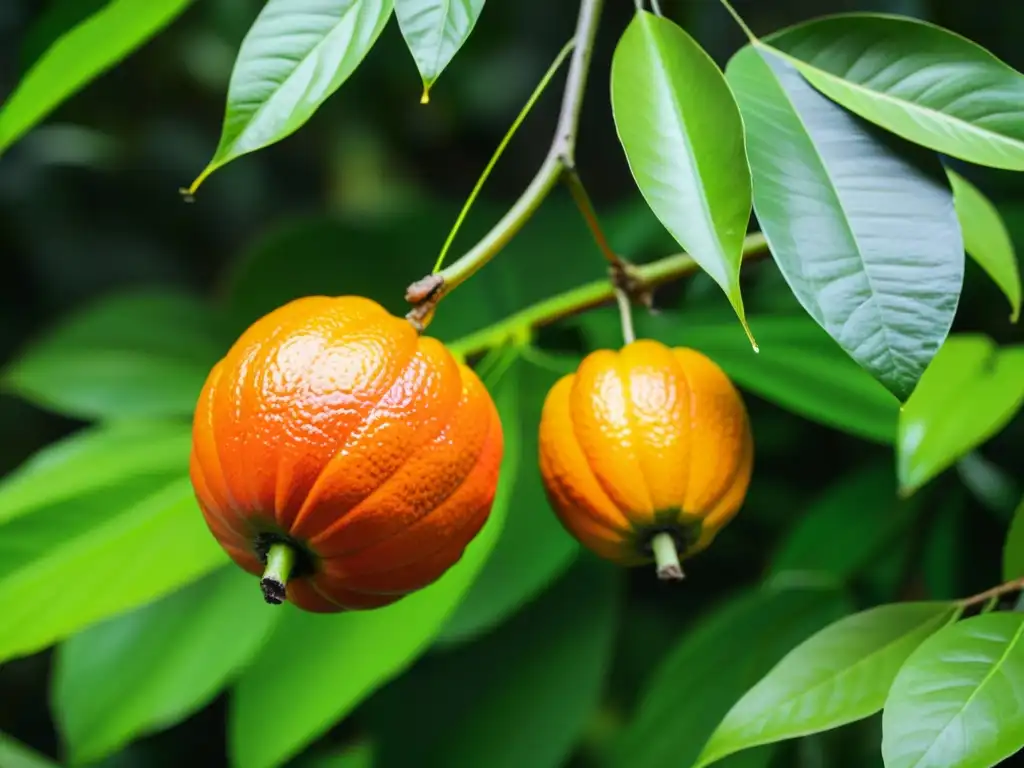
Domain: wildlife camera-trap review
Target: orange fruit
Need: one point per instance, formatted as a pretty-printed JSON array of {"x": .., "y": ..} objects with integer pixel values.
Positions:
[
  {"x": 645, "y": 453},
  {"x": 339, "y": 453}
]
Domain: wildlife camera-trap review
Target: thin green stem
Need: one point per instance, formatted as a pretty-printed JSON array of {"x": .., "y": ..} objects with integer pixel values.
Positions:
[
  {"x": 739, "y": 20},
  {"x": 586, "y": 296},
  {"x": 280, "y": 561},
  {"x": 541, "y": 86},
  {"x": 586, "y": 208},
  {"x": 656, "y": 7},
  {"x": 666, "y": 557},
  {"x": 626, "y": 314},
  {"x": 424, "y": 294}
]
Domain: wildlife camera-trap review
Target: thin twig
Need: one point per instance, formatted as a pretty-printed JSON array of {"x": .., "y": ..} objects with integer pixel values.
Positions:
[
  {"x": 996, "y": 592},
  {"x": 582, "y": 200},
  {"x": 626, "y": 315},
  {"x": 561, "y": 155}
]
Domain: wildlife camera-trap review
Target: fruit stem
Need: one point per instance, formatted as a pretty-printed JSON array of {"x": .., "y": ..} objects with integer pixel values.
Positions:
[
  {"x": 666, "y": 557},
  {"x": 280, "y": 560}
]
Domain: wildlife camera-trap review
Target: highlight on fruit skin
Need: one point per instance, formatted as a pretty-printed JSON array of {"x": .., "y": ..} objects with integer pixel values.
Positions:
[
  {"x": 342, "y": 457},
  {"x": 646, "y": 453}
]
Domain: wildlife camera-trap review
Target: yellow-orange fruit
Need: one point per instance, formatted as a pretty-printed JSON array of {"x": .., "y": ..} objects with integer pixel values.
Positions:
[
  {"x": 333, "y": 428},
  {"x": 644, "y": 441}
]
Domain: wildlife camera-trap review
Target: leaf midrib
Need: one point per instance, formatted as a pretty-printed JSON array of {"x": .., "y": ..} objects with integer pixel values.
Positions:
[
  {"x": 909, "y": 106},
  {"x": 277, "y": 89},
  {"x": 984, "y": 681},
  {"x": 651, "y": 41}
]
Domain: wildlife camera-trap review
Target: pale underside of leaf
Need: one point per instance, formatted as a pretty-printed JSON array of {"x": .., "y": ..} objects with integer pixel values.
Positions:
[{"x": 867, "y": 240}]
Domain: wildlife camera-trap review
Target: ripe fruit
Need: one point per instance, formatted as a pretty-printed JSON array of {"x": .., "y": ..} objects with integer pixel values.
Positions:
[
  {"x": 337, "y": 451},
  {"x": 645, "y": 453}
]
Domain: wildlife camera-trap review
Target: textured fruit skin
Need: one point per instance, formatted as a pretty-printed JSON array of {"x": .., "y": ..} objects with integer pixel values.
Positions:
[
  {"x": 641, "y": 441},
  {"x": 333, "y": 425}
]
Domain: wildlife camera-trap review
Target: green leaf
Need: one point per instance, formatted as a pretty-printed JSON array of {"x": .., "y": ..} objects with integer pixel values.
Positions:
[
  {"x": 1013, "y": 550},
  {"x": 81, "y": 55},
  {"x": 296, "y": 54},
  {"x": 435, "y": 30},
  {"x": 146, "y": 670},
  {"x": 986, "y": 239},
  {"x": 92, "y": 459},
  {"x": 847, "y": 527},
  {"x": 681, "y": 130},
  {"x": 839, "y": 675},
  {"x": 714, "y": 665},
  {"x": 87, "y": 558},
  {"x": 14, "y": 754},
  {"x": 534, "y": 548},
  {"x": 521, "y": 696},
  {"x": 922, "y": 82},
  {"x": 993, "y": 486},
  {"x": 799, "y": 368},
  {"x": 144, "y": 354},
  {"x": 866, "y": 238},
  {"x": 316, "y": 668},
  {"x": 958, "y": 702},
  {"x": 969, "y": 393}
]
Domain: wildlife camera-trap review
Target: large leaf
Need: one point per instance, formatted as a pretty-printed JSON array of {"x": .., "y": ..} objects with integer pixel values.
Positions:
[
  {"x": 1013, "y": 550},
  {"x": 799, "y": 367},
  {"x": 84, "y": 559},
  {"x": 971, "y": 391},
  {"x": 134, "y": 355},
  {"x": 13, "y": 754},
  {"x": 534, "y": 548},
  {"x": 92, "y": 459},
  {"x": 148, "y": 669},
  {"x": 958, "y": 702},
  {"x": 986, "y": 239},
  {"x": 296, "y": 54},
  {"x": 521, "y": 696},
  {"x": 359, "y": 755},
  {"x": 919, "y": 81},
  {"x": 847, "y": 527},
  {"x": 316, "y": 668},
  {"x": 435, "y": 30},
  {"x": 867, "y": 239},
  {"x": 80, "y": 55},
  {"x": 683, "y": 137},
  {"x": 714, "y": 665},
  {"x": 839, "y": 675}
]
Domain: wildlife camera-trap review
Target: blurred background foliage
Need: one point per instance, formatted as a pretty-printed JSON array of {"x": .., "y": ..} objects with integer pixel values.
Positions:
[{"x": 359, "y": 201}]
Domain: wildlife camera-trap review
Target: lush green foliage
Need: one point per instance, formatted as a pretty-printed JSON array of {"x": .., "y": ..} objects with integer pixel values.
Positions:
[{"x": 852, "y": 139}]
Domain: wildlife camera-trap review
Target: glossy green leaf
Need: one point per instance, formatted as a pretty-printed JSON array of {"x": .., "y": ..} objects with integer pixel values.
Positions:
[
  {"x": 143, "y": 354},
  {"x": 867, "y": 238},
  {"x": 990, "y": 483},
  {"x": 971, "y": 391},
  {"x": 958, "y": 702},
  {"x": 681, "y": 130},
  {"x": 14, "y": 754},
  {"x": 839, "y": 675},
  {"x": 82, "y": 560},
  {"x": 521, "y": 696},
  {"x": 79, "y": 56},
  {"x": 1013, "y": 550},
  {"x": 799, "y": 367},
  {"x": 296, "y": 54},
  {"x": 847, "y": 527},
  {"x": 986, "y": 239},
  {"x": 146, "y": 670},
  {"x": 712, "y": 667},
  {"x": 325, "y": 665},
  {"x": 922, "y": 82},
  {"x": 94, "y": 458},
  {"x": 435, "y": 30},
  {"x": 534, "y": 549}
]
